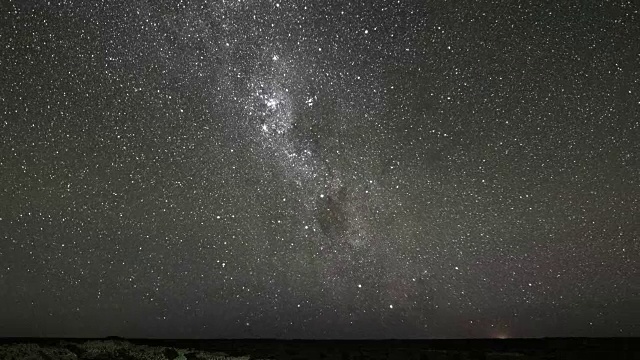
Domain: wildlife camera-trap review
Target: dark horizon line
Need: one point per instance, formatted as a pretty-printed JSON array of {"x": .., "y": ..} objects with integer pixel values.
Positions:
[{"x": 318, "y": 339}]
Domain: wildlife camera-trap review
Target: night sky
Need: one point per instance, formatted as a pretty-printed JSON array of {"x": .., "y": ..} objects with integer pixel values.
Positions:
[{"x": 319, "y": 169}]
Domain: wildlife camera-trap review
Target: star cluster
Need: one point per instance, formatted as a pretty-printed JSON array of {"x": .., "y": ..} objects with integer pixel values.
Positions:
[{"x": 319, "y": 169}]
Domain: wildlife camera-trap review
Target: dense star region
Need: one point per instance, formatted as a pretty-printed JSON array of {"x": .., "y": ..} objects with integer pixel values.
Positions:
[{"x": 319, "y": 169}]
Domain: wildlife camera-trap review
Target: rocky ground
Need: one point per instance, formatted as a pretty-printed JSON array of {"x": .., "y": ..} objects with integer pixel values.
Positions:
[
  {"x": 115, "y": 348},
  {"x": 104, "y": 350}
]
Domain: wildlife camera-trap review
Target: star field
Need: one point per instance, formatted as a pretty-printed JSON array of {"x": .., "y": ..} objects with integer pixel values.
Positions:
[{"x": 319, "y": 169}]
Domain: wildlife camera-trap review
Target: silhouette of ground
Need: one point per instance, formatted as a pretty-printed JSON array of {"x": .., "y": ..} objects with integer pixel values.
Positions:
[{"x": 143, "y": 349}]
